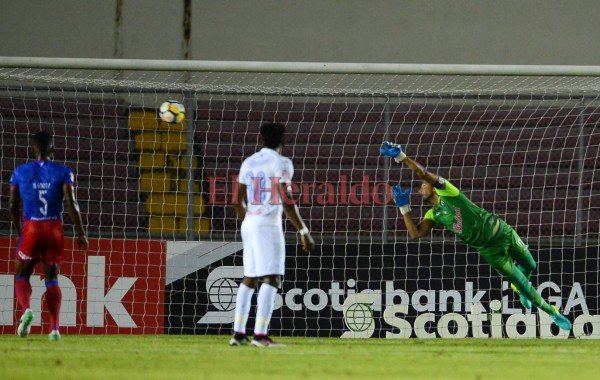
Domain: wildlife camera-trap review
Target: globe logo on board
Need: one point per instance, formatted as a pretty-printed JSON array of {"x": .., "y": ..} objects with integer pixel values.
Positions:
[
  {"x": 222, "y": 294},
  {"x": 358, "y": 317},
  {"x": 221, "y": 290}
]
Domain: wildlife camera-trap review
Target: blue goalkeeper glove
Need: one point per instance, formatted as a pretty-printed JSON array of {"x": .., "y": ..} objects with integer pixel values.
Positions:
[
  {"x": 392, "y": 150},
  {"x": 402, "y": 198}
]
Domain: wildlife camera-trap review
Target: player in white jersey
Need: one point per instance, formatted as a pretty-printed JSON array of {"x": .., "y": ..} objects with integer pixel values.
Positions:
[{"x": 262, "y": 199}]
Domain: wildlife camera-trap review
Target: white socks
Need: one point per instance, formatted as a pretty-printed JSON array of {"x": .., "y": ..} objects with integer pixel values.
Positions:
[
  {"x": 243, "y": 302},
  {"x": 264, "y": 308}
]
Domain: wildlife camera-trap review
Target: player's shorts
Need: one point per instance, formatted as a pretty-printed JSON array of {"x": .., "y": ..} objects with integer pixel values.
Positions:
[
  {"x": 41, "y": 240},
  {"x": 264, "y": 250},
  {"x": 504, "y": 249}
]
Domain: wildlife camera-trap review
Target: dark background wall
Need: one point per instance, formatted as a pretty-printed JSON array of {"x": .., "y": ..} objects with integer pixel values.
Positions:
[{"x": 385, "y": 31}]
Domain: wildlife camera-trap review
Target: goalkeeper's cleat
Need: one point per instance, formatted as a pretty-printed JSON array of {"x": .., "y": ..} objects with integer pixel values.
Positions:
[
  {"x": 25, "y": 326},
  {"x": 265, "y": 341},
  {"x": 239, "y": 340},
  {"x": 560, "y": 320},
  {"x": 524, "y": 300},
  {"x": 54, "y": 336}
]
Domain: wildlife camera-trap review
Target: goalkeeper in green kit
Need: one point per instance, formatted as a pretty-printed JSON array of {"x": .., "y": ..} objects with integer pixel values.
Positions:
[{"x": 496, "y": 241}]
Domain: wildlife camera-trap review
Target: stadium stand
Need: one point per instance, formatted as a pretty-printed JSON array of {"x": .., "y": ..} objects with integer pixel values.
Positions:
[{"x": 536, "y": 168}]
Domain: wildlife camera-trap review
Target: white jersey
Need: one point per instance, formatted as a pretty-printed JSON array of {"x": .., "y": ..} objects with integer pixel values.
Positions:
[{"x": 262, "y": 173}]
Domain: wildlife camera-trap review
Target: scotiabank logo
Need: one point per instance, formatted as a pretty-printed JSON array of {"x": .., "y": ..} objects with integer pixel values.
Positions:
[
  {"x": 422, "y": 313},
  {"x": 116, "y": 287},
  {"x": 222, "y": 290}
]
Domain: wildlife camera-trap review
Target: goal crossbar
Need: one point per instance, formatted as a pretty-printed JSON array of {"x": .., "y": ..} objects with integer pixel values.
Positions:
[{"x": 300, "y": 67}]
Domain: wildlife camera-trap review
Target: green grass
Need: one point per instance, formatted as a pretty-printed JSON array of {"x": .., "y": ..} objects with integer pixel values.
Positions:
[{"x": 209, "y": 357}]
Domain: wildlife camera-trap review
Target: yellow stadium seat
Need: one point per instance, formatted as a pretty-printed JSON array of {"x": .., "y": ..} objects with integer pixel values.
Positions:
[
  {"x": 142, "y": 120},
  {"x": 148, "y": 141},
  {"x": 174, "y": 141},
  {"x": 160, "y": 204},
  {"x": 202, "y": 225},
  {"x": 163, "y": 224},
  {"x": 155, "y": 181},
  {"x": 180, "y": 162},
  {"x": 182, "y": 186},
  {"x": 149, "y": 161},
  {"x": 199, "y": 206},
  {"x": 171, "y": 126}
]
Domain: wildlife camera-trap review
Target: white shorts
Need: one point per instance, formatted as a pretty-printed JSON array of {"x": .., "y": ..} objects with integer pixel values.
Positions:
[{"x": 264, "y": 250}]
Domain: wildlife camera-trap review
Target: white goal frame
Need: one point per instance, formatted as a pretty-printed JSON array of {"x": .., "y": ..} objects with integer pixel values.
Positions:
[{"x": 219, "y": 254}]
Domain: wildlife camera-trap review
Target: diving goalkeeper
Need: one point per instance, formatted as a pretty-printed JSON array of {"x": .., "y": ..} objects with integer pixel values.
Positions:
[{"x": 496, "y": 241}]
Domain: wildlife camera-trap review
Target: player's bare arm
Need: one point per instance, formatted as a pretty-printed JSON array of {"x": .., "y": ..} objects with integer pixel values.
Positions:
[
  {"x": 395, "y": 151},
  {"x": 14, "y": 199},
  {"x": 417, "y": 231},
  {"x": 240, "y": 204},
  {"x": 402, "y": 199},
  {"x": 291, "y": 211},
  {"x": 75, "y": 214},
  {"x": 420, "y": 171}
]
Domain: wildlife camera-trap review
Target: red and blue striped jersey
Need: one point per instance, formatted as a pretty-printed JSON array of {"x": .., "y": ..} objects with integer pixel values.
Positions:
[{"x": 40, "y": 186}]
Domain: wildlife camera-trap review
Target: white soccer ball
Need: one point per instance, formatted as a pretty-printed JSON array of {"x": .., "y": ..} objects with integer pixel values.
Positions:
[{"x": 172, "y": 111}]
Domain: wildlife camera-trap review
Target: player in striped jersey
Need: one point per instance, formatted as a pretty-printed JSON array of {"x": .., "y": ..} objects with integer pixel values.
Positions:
[
  {"x": 41, "y": 185},
  {"x": 496, "y": 241}
]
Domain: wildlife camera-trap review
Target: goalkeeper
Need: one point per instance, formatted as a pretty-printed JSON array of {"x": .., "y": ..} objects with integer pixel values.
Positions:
[{"x": 496, "y": 241}]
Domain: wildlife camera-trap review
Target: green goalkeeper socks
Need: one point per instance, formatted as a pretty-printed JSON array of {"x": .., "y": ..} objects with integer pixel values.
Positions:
[
  {"x": 527, "y": 273},
  {"x": 525, "y": 288}
]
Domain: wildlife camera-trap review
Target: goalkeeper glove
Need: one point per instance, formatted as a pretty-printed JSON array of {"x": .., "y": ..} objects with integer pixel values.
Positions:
[
  {"x": 402, "y": 198},
  {"x": 392, "y": 150}
]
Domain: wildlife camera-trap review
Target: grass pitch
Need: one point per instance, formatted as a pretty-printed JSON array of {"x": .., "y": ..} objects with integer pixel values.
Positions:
[{"x": 210, "y": 357}]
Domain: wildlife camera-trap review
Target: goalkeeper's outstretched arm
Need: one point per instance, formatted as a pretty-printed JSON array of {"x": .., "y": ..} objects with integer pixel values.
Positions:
[
  {"x": 417, "y": 231},
  {"x": 402, "y": 199},
  {"x": 419, "y": 170},
  {"x": 395, "y": 151}
]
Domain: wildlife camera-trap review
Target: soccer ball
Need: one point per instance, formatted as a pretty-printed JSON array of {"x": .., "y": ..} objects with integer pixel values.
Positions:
[{"x": 172, "y": 111}]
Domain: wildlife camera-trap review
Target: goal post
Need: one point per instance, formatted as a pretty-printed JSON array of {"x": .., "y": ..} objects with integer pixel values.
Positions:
[{"x": 521, "y": 141}]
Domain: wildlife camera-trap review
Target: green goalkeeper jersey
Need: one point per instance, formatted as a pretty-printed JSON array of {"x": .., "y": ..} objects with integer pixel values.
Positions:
[{"x": 474, "y": 225}]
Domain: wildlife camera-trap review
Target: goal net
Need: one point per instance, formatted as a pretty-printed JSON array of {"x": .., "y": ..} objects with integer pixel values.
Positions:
[{"x": 166, "y": 254}]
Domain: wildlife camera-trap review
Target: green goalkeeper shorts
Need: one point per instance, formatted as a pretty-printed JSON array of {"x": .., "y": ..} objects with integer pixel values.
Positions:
[{"x": 504, "y": 249}]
